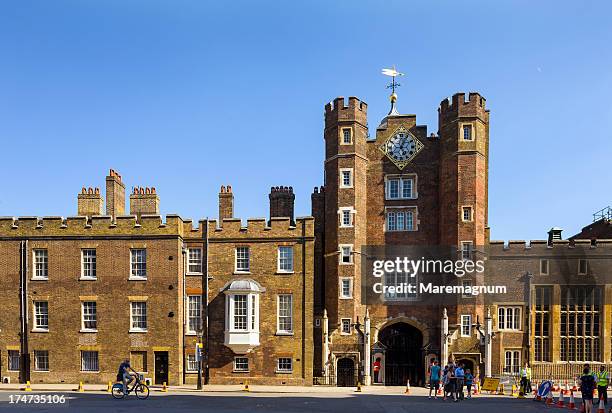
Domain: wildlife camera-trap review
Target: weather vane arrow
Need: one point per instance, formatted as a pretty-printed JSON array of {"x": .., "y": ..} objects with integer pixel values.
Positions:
[{"x": 393, "y": 73}]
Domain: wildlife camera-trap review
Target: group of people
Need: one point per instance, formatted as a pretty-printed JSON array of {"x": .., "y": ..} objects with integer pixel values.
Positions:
[
  {"x": 591, "y": 380},
  {"x": 452, "y": 379}
]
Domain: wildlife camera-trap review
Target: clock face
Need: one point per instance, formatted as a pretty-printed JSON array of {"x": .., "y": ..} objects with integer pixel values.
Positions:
[{"x": 401, "y": 147}]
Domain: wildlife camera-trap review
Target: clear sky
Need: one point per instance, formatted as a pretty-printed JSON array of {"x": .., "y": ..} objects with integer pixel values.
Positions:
[{"x": 188, "y": 95}]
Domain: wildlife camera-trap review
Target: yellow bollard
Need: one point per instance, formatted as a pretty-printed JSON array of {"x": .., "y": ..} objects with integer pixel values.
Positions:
[
  {"x": 246, "y": 386},
  {"x": 358, "y": 387},
  {"x": 109, "y": 388},
  {"x": 28, "y": 386},
  {"x": 164, "y": 387},
  {"x": 80, "y": 389},
  {"x": 501, "y": 390}
]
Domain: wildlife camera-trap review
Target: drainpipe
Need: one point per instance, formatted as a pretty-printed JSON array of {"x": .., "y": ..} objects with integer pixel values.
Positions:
[
  {"x": 24, "y": 356},
  {"x": 205, "y": 280}
]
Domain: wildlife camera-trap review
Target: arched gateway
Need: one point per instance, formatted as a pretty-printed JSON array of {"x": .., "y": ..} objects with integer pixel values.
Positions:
[{"x": 404, "y": 354}]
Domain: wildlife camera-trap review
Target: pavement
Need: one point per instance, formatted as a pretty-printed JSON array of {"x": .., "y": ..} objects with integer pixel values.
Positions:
[{"x": 232, "y": 399}]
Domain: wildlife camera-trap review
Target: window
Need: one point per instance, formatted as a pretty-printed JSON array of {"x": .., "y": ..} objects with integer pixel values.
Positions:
[
  {"x": 285, "y": 313},
  {"x": 345, "y": 326},
  {"x": 346, "y": 178},
  {"x": 138, "y": 361},
  {"x": 397, "y": 279},
  {"x": 512, "y": 362},
  {"x": 467, "y": 132},
  {"x": 41, "y": 360},
  {"x": 347, "y": 138},
  {"x": 543, "y": 267},
  {"x": 466, "y": 214},
  {"x": 346, "y": 216},
  {"x": 317, "y": 322},
  {"x": 138, "y": 263},
  {"x": 139, "y": 316},
  {"x": 467, "y": 250},
  {"x": 191, "y": 363},
  {"x": 466, "y": 284},
  {"x": 88, "y": 266},
  {"x": 285, "y": 259},
  {"x": 284, "y": 365},
  {"x": 241, "y": 364},
  {"x": 13, "y": 360},
  {"x": 346, "y": 254},
  {"x": 41, "y": 315},
  {"x": 41, "y": 264},
  {"x": 240, "y": 312},
  {"x": 346, "y": 288},
  {"x": 582, "y": 266},
  {"x": 400, "y": 188},
  {"x": 194, "y": 256},
  {"x": 242, "y": 259},
  {"x": 89, "y": 316},
  {"x": 89, "y": 361},
  {"x": 580, "y": 323},
  {"x": 194, "y": 312},
  {"x": 509, "y": 318},
  {"x": 400, "y": 220},
  {"x": 542, "y": 323},
  {"x": 466, "y": 325}
]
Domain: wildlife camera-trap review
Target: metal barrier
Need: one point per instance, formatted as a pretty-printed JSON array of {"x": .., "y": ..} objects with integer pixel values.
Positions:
[{"x": 563, "y": 371}]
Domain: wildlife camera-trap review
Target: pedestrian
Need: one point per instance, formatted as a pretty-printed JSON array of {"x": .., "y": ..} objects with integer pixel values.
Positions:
[
  {"x": 452, "y": 382},
  {"x": 602, "y": 384},
  {"x": 525, "y": 383},
  {"x": 434, "y": 378},
  {"x": 469, "y": 379},
  {"x": 459, "y": 377},
  {"x": 587, "y": 386},
  {"x": 444, "y": 383}
]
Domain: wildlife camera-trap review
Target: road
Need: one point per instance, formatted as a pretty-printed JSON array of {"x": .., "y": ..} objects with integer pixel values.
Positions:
[{"x": 324, "y": 402}]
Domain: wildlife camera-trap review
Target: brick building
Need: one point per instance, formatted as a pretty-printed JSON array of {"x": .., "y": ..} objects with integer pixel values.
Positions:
[{"x": 78, "y": 295}]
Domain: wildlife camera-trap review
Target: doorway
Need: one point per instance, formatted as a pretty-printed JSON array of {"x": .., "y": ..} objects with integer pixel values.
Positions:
[
  {"x": 404, "y": 357},
  {"x": 161, "y": 367},
  {"x": 345, "y": 372}
]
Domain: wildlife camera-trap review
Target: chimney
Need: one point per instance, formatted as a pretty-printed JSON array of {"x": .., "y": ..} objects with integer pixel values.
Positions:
[
  {"x": 89, "y": 202},
  {"x": 281, "y": 202},
  {"x": 144, "y": 201},
  {"x": 226, "y": 203},
  {"x": 115, "y": 195},
  {"x": 554, "y": 235}
]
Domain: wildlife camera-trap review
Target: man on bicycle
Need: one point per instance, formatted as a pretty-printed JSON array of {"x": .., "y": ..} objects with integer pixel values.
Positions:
[{"x": 126, "y": 374}]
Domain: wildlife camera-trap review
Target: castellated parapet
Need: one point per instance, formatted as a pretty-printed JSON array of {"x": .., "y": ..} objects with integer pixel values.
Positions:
[
  {"x": 339, "y": 110},
  {"x": 458, "y": 106}
]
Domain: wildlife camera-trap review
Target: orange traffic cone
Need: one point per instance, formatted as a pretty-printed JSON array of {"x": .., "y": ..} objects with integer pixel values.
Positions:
[
  {"x": 439, "y": 390},
  {"x": 572, "y": 403},
  {"x": 602, "y": 407},
  {"x": 574, "y": 387},
  {"x": 475, "y": 392},
  {"x": 560, "y": 401},
  {"x": 407, "y": 391},
  {"x": 549, "y": 398}
]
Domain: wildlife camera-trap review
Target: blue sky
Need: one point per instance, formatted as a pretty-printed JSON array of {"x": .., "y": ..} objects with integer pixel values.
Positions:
[{"x": 188, "y": 95}]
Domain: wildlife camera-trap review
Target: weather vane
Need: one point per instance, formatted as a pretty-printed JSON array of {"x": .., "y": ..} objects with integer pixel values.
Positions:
[{"x": 393, "y": 73}]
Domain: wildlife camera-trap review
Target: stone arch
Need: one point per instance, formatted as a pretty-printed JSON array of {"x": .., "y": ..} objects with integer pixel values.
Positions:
[{"x": 403, "y": 319}]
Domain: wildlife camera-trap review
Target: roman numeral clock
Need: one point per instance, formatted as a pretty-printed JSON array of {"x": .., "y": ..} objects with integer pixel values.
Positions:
[{"x": 401, "y": 147}]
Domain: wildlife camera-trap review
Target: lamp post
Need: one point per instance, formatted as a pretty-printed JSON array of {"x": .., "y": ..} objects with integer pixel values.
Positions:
[{"x": 199, "y": 354}]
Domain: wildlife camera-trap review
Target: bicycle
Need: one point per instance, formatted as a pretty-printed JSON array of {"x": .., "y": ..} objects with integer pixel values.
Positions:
[{"x": 140, "y": 389}]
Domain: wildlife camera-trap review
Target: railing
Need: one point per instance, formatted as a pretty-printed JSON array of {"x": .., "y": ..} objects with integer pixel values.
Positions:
[
  {"x": 603, "y": 213},
  {"x": 563, "y": 371}
]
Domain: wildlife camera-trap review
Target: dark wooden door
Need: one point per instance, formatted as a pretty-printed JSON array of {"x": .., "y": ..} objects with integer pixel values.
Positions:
[
  {"x": 346, "y": 372},
  {"x": 161, "y": 367}
]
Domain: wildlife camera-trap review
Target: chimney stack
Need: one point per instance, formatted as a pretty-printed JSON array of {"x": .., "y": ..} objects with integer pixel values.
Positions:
[
  {"x": 144, "y": 201},
  {"x": 554, "y": 235},
  {"x": 282, "y": 200},
  {"x": 226, "y": 203},
  {"x": 89, "y": 202},
  {"x": 115, "y": 195}
]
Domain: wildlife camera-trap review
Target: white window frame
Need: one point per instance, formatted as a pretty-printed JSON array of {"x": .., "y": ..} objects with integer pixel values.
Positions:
[
  {"x": 509, "y": 318},
  {"x": 143, "y": 315},
  {"x": 194, "y": 264},
  {"x": 343, "y": 323},
  {"x": 350, "y": 288},
  {"x": 284, "y": 362},
  {"x": 89, "y": 264},
  {"x": 470, "y": 210},
  {"x": 546, "y": 262},
  {"x": 138, "y": 266},
  {"x": 342, "y": 184},
  {"x": 281, "y": 257},
  {"x": 43, "y": 315},
  {"x": 465, "y": 283},
  {"x": 10, "y": 354},
  {"x": 242, "y": 270},
  {"x": 464, "y": 318},
  {"x": 341, "y": 256},
  {"x": 194, "y": 313},
  {"x": 515, "y": 361},
  {"x": 472, "y": 134},
  {"x": 40, "y": 269},
  {"x": 252, "y": 313},
  {"x": 344, "y": 212},
  {"x": 467, "y": 254},
  {"x": 285, "y": 317},
  {"x": 400, "y": 219},
  {"x": 586, "y": 266},
  {"x": 241, "y": 370},
  {"x": 402, "y": 182},
  {"x": 41, "y": 355},
  {"x": 94, "y": 314},
  {"x": 343, "y": 134},
  {"x": 191, "y": 363},
  {"x": 95, "y": 360}
]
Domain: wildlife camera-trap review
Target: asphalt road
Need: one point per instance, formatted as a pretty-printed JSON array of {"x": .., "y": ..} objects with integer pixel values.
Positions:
[{"x": 267, "y": 402}]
